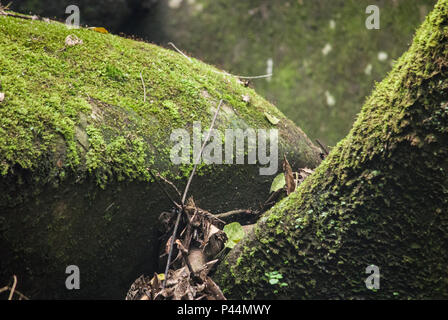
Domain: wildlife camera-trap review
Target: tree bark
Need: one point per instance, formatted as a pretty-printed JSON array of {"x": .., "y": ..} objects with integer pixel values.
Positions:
[{"x": 380, "y": 198}]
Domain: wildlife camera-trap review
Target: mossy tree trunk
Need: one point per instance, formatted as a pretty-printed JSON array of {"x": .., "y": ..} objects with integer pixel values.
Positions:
[{"x": 380, "y": 198}]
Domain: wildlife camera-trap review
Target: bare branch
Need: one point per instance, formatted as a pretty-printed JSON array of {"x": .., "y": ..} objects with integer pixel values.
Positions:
[
  {"x": 255, "y": 77},
  {"x": 244, "y": 77},
  {"x": 163, "y": 189},
  {"x": 223, "y": 72},
  {"x": 324, "y": 150},
  {"x": 172, "y": 44},
  {"x": 200, "y": 153},
  {"x": 13, "y": 288},
  {"x": 179, "y": 213},
  {"x": 232, "y": 213},
  {"x": 170, "y": 183}
]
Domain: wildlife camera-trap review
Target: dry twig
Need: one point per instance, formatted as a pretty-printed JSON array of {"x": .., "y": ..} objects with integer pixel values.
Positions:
[
  {"x": 200, "y": 153},
  {"x": 13, "y": 288},
  {"x": 324, "y": 150},
  {"x": 179, "y": 212},
  {"x": 170, "y": 253},
  {"x": 232, "y": 213},
  {"x": 172, "y": 44},
  {"x": 223, "y": 72},
  {"x": 244, "y": 77},
  {"x": 171, "y": 184},
  {"x": 163, "y": 189}
]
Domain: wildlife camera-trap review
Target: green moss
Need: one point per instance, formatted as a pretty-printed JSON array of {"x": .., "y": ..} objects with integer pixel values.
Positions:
[
  {"x": 76, "y": 139},
  {"x": 115, "y": 74},
  {"x": 95, "y": 90},
  {"x": 376, "y": 199}
]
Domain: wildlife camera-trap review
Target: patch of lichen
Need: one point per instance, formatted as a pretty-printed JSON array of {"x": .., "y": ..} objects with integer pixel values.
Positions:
[
  {"x": 380, "y": 198},
  {"x": 294, "y": 34},
  {"x": 90, "y": 97}
]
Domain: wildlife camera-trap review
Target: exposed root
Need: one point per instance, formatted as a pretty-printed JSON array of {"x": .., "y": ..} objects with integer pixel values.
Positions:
[{"x": 13, "y": 291}]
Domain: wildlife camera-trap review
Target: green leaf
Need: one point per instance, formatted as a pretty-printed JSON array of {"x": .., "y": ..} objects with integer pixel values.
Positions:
[
  {"x": 234, "y": 232},
  {"x": 272, "y": 119},
  {"x": 273, "y": 281},
  {"x": 278, "y": 183}
]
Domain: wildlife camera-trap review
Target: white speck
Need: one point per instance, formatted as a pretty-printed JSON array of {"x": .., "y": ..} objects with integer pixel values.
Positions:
[
  {"x": 2, "y": 96},
  {"x": 199, "y": 7},
  {"x": 332, "y": 24},
  {"x": 368, "y": 69},
  {"x": 174, "y": 4},
  {"x": 330, "y": 99},
  {"x": 382, "y": 56},
  {"x": 326, "y": 50},
  {"x": 269, "y": 68}
]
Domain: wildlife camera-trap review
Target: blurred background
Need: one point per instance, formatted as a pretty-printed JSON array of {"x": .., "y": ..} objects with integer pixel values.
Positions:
[{"x": 324, "y": 60}]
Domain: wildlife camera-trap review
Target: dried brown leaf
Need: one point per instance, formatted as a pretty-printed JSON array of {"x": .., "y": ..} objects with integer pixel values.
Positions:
[
  {"x": 182, "y": 288},
  {"x": 155, "y": 283},
  {"x": 196, "y": 259},
  {"x": 289, "y": 177},
  {"x": 168, "y": 245},
  {"x": 215, "y": 244}
]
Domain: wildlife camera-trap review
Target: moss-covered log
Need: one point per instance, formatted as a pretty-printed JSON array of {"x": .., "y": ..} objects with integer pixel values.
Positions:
[
  {"x": 380, "y": 198},
  {"x": 76, "y": 137}
]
